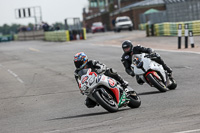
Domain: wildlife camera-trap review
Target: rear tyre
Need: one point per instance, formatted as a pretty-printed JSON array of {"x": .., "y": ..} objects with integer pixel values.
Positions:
[
  {"x": 135, "y": 101},
  {"x": 173, "y": 85},
  {"x": 157, "y": 83},
  {"x": 109, "y": 104}
]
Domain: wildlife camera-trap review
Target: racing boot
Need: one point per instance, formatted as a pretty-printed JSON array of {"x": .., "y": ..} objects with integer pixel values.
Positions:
[
  {"x": 139, "y": 80},
  {"x": 90, "y": 103},
  {"x": 160, "y": 61},
  {"x": 168, "y": 69}
]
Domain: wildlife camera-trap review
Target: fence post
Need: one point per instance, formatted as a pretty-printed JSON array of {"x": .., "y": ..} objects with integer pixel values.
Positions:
[
  {"x": 186, "y": 35},
  {"x": 147, "y": 29},
  {"x": 191, "y": 39},
  {"x": 179, "y": 35},
  {"x": 152, "y": 30}
]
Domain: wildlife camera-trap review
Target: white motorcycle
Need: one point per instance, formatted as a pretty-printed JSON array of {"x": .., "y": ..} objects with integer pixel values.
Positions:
[
  {"x": 106, "y": 91},
  {"x": 152, "y": 73}
]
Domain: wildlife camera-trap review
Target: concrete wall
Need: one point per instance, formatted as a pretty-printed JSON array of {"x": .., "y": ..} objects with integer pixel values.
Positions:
[{"x": 31, "y": 35}]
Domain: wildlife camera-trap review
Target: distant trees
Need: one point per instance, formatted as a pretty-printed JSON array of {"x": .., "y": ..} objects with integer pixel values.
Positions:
[
  {"x": 15, "y": 28},
  {"x": 7, "y": 29},
  {"x": 60, "y": 25}
]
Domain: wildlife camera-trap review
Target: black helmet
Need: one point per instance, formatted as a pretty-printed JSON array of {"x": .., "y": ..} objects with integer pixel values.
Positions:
[{"x": 127, "y": 46}]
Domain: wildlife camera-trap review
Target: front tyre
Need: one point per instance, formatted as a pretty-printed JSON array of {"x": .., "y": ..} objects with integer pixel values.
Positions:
[
  {"x": 107, "y": 103},
  {"x": 156, "y": 83},
  {"x": 135, "y": 101},
  {"x": 173, "y": 85}
]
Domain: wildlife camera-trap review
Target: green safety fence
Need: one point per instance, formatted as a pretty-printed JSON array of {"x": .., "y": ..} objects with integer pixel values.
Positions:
[
  {"x": 171, "y": 28},
  {"x": 63, "y": 35},
  {"x": 142, "y": 26},
  {"x": 15, "y": 37},
  {"x": 6, "y": 38},
  {"x": 55, "y": 36}
]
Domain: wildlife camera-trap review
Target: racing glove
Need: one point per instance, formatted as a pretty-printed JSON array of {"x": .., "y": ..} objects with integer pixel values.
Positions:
[
  {"x": 132, "y": 74},
  {"x": 101, "y": 69}
]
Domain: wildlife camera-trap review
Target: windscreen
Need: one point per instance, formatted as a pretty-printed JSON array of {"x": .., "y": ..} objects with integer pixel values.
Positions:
[
  {"x": 97, "y": 24},
  {"x": 123, "y": 20},
  {"x": 82, "y": 72}
]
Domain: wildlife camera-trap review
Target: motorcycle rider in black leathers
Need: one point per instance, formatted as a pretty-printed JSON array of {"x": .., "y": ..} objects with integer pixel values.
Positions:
[
  {"x": 81, "y": 62},
  {"x": 129, "y": 50}
]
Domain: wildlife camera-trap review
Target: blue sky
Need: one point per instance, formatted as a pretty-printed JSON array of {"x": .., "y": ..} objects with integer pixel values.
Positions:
[{"x": 52, "y": 10}]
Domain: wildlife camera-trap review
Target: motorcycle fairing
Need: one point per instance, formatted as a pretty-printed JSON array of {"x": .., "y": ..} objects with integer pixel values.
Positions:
[
  {"x": 123, "y": 99},
  {"x": 116, "y": 93}
]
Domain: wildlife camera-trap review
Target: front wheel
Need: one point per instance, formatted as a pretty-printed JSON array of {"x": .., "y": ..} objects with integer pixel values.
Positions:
[
  {"x": 173, "y": 85},
  {"x": 135, "y": 101},
  {"x": 106, "y": 102},
  {"x": 156, "y": 83}
]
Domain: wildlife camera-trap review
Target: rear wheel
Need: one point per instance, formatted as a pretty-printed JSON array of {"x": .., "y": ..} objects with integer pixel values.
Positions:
[
  {"x": 107, "y": 102},
  {"x": 157, "y": 83},
  {"x": 135, "y": 101}
]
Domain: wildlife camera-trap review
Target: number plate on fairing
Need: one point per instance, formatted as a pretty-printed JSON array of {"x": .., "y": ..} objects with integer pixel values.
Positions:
[{"x": 112, "y": 83}]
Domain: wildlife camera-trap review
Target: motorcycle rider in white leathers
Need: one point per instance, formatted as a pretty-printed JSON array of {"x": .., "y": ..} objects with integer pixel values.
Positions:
[{"x": 130, "y": 50}]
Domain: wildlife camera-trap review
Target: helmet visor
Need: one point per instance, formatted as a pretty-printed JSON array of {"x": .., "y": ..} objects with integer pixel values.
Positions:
[
  {"x": 126, "y": 50},
  {"x": 78, "y": 64}
]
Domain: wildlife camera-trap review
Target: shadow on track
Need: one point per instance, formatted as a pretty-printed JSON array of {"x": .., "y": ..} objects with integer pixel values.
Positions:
[
  {"x": 149, "y": 93},
  {"x": 82, "y": 115},
  {"x": 86, "y": 115}
]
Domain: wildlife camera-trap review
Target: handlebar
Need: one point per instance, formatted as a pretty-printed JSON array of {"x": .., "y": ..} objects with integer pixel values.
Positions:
[
  {"x": 152, "y": 55},
  {"x": 147, "y": 56}
]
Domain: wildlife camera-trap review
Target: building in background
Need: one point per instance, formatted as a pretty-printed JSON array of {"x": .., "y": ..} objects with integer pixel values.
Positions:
[
  {"x": 106, "y": 10},
  {"x": 176, "y": 11}
]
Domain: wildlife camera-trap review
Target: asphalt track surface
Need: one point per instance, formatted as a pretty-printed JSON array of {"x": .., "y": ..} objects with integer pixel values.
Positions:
[{"x": 38, "y": 92}]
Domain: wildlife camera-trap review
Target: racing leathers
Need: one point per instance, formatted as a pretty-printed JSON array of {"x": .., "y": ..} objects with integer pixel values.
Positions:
[
  {"x": 127, "y": 60},
  {"x": 99, "y": 67}
]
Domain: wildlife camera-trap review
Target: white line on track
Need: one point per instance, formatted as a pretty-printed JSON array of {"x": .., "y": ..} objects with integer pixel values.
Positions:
[
  {"x": 13, "y": 74},
  {"x": 175, "y": 51},
  {"x": 189, "y": 131},
  {"x": 53, "y": 131},
  {"x": 178, "y": 51}
]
